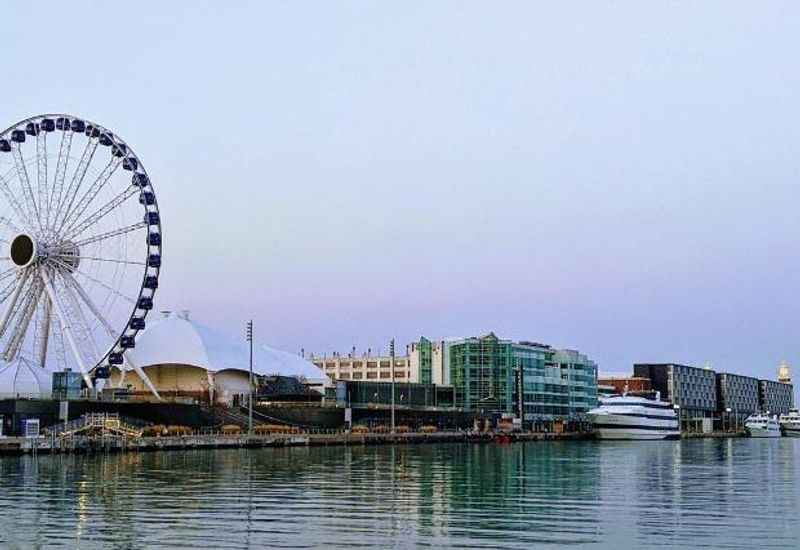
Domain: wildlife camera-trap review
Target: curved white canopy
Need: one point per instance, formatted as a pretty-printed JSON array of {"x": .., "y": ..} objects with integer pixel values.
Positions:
[{"x": 177, "y": 339}]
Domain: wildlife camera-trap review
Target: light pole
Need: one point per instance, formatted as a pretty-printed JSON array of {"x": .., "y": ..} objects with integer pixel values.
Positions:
[
  {"x": 678, "y": 411},
  {"x": 250, "y": 400},
  {"x": 391, "y": 365},
  {"x": 728, "y": 411}
]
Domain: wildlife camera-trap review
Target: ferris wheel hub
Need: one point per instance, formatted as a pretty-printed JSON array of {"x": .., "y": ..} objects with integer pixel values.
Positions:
[{"x": 23, "y": 250}]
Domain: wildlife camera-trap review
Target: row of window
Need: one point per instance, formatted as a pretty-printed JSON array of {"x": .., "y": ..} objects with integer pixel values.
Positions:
[{"x": 372, "y": 375}]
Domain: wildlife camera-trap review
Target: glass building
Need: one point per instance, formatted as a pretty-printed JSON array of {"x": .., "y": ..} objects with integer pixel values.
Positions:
[
  {"x": 555, "y": 384},
  {"x": 481, "y": 373},
  {"x": 534, "y": 381}
]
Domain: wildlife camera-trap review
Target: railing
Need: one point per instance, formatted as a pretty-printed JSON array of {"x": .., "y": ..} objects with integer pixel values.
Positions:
[{"x": 105, "y": 423}]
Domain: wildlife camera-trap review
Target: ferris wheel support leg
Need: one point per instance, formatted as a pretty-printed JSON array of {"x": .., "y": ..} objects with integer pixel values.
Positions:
[
  {"x": 45, "y": 332},
  {"x": 107, "y": 326},
  {"x": 12, "y": 305},
  {"x": 121, "y": 378},
  {"x": 14, "y": 343},
  {"x": 142, "y": 375},
  {"x": 65, "y": 325},
  {"x": 210, "y": 387}
]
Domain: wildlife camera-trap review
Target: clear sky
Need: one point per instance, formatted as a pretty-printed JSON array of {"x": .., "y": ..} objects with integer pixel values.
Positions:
[{"x": 620, "y": 178}]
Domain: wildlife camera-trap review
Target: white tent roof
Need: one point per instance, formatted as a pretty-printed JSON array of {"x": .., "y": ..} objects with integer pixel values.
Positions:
[{"x": 177, "y": 339}]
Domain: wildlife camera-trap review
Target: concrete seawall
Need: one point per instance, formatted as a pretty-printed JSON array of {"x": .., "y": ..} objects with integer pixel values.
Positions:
[{"x": 52, "y": 445}]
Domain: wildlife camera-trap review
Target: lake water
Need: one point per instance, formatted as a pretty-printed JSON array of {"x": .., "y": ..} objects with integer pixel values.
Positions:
[{"x": 684, "y": 494}]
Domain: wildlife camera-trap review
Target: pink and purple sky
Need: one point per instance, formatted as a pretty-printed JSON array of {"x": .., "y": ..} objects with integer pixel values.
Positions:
[{"x": 621, "y": 178}]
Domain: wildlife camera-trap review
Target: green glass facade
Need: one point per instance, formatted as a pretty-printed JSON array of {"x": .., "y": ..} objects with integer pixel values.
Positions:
[
  {"x": 425, "y": 361},
  {"x": 481, "y": 373},
  {"x": 555, "y": 384}
]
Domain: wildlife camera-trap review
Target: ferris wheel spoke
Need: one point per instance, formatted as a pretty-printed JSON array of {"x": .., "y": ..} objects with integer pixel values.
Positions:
[
  {"x": 116, "y": 292},
  {"x": 12, "y": 309},
  {"x": 75, "y": 183},
  {"x": 110, "y": 330},
  {"x": 63, "y": 160},
  {"x": 7, "y": 290},
  {"x": 15, "y": 205},
  {"x": 82, "y": 327},
  {"x": 8, "y": 223},
  {"x": 111, "y": 234},
  {"x": 41, "y": 173},
  {"x": 76, "y": 228},
  {"x": 66, "y": 327},
  {"x": 98, "y": 259},
  {"x": 89, "y": 195},
  {"x": 22, "y": 174},
  {"x": 8, "y": 273},
  {"x": 21, "y": 329}
]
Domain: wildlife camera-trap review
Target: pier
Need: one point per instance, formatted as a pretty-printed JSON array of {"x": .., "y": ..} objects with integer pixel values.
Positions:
[{"x": 108, "y": 433}]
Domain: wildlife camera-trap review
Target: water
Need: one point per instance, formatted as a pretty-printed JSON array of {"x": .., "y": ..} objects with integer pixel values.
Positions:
[{"x": 684, "y": 494}]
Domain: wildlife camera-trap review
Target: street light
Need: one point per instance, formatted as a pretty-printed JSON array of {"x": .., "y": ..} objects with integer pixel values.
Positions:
[
  {"x": 250, "y": 400},
  {"x": 391, "y": 366},
  {"x": 728, "y": 411}
]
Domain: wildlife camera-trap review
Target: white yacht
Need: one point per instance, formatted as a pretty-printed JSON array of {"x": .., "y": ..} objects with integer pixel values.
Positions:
[
  {"x": 628, "y": 417},
  {"x": 790, "y": 423},
  {"x": 762, "y": 425}
]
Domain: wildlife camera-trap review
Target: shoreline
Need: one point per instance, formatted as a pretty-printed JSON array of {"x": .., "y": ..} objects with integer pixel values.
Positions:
[{"x": 20, "y": 446}]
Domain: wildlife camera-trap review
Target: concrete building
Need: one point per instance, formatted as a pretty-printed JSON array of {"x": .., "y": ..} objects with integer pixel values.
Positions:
[
  {"x": 775, "y": 397},
  {"x": 622, "y": 384},
  {"x": 693, "y": 390},
  {"x": 737, "y": 394},
  {"x": 366, "y": 367}
]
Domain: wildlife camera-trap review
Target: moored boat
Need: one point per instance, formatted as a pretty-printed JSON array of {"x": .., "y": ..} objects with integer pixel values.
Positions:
[
  {"x": 790, "y": 423},
  {"x": 762, "y": 425},
  {"x": 634, "y": 418}
]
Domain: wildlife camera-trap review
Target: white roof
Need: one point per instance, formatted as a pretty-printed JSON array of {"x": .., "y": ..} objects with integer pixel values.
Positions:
[{"x": 177, "y": 339}]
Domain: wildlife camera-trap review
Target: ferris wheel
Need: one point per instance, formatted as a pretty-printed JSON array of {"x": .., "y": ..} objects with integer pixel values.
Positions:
[{"x": 80, "y": 252}]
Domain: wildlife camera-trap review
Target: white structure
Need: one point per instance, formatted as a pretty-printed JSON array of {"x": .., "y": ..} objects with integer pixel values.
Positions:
[
  {"x": 368, "y": 367},
  {"x": 80, "y": 252},
  {"x": 183, "y": 357},
  {"x": 628, "y": 417},
  {"x": 763, "y": 425}
]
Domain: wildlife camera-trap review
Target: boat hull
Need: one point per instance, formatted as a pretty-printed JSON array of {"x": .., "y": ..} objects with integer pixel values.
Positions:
[
  {"x": 791, "y": 432},
  {"x": 626, "y": 427},
  {"x": 762, "y": 432},
  {"x": 633, "y": 434}
]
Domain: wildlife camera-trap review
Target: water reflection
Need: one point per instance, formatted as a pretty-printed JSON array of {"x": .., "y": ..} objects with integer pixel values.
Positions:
[{"x": 713, "y": 493}]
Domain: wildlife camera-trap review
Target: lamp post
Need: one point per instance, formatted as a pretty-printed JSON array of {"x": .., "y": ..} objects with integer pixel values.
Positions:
[
  {"x": 250, "y": 400},
  {"x": 391, "y": 365},
  {"x": 728, "y": 411},
  {"x": 678, "y": 412}
]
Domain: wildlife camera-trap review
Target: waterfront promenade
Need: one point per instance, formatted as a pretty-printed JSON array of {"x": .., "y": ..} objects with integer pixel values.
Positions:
[{"x": 56, "y": 445}]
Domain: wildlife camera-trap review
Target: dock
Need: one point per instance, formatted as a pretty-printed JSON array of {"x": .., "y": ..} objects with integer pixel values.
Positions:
[{"x": 121, "y": 443}]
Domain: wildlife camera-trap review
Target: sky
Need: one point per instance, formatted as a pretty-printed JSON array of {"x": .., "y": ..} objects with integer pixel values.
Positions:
[{"x": 614, "y": 177}]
